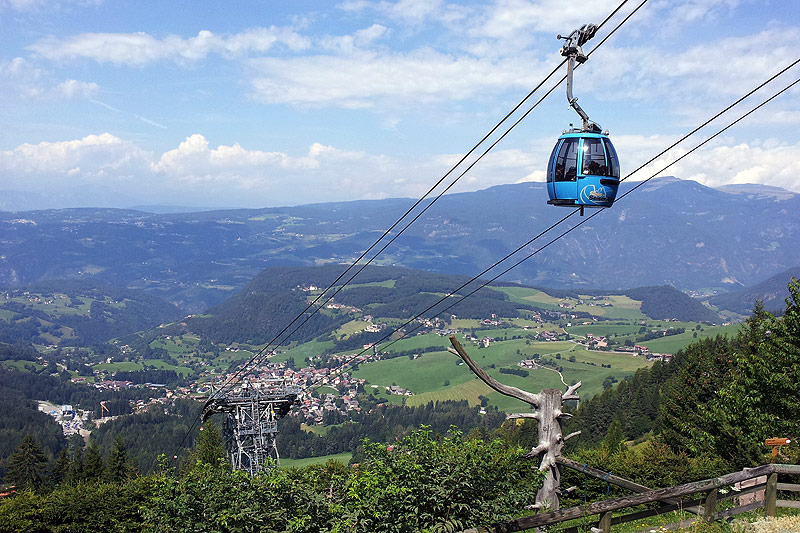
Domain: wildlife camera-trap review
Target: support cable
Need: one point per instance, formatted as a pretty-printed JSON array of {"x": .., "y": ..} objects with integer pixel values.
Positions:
[
  {"x": 264, "y": 349},
  {"x": 347, "y": 362},
  {"x": 258, "y": 355},
  {"x": 583, "y": 221}
]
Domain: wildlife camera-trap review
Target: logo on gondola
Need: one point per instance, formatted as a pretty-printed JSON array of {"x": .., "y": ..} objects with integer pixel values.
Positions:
[{"x": 592, "y": 194}]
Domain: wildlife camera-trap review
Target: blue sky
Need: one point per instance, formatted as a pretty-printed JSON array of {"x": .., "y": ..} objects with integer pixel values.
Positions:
[{"x": 250, "y": 104}]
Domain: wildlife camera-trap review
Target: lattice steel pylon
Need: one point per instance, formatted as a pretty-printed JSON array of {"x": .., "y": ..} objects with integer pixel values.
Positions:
[{"x": 251, "y": 422}]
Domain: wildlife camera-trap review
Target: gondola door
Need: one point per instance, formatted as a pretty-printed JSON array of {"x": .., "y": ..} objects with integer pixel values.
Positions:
[{"x": 562, "y": 173}]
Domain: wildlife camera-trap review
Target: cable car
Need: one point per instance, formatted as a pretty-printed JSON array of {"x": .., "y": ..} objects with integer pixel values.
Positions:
[{"x": 583, "y": 170}]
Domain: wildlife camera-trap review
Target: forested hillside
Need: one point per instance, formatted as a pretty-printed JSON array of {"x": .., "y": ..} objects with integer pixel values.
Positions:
[
  {"x": 259, "y": 312},
  {"x": 78, "y": 313},
  {"x": 772, "y": 293},
  {"x": 667, "y": 302}
]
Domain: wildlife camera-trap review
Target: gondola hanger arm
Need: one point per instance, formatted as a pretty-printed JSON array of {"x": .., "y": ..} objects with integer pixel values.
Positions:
[{"x": 573, "y": 52}]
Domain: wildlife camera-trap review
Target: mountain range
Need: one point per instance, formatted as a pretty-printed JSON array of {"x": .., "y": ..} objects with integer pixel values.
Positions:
[{"x": 667, "y": 232}]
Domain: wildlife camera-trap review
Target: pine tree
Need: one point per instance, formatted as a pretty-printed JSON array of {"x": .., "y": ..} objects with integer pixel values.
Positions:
[
  {"x": 93, "y": 462},
  {"x": 687, "y": 415},
  {"x": 208, "y": 447},
  {"x": 76, "y": 472},
  {"x": 61, "y": 467},
  {"x": 615, "y": 438},
  {"x": 27, "y": 465},
  {"x": 119, "y": 467}
]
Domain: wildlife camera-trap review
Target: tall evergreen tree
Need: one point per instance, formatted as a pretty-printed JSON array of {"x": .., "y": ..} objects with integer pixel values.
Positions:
[
  {"x": 61, "y": 468},
  {"x": 26, "y": 467},
  {"x": 119, "y": 467},
  {"x": 93, "y": 467},
  {"x": 75, "y": 472},
  {"x": 208, "y": 447},
  {"x": 762, "y": 399},
  {"x": 687, "y": 418},
  {"x": 615, "y": 438}
]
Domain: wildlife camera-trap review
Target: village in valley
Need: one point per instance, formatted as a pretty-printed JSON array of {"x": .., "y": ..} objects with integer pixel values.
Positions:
[{"x": 335, "y": 384}]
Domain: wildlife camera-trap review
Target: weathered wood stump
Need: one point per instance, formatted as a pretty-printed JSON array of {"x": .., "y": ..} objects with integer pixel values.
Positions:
[{"x": 548, "y": 413}]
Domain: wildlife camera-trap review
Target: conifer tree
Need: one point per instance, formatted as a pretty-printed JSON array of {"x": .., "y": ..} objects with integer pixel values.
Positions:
[
  {"x": 762, "y": 399},
  {"x": 687, "y": 416},
  {"x": 119, "y": 467},
  {"x": 208, "y": 447},
  {"x": 76, "y": 472},
  {"x": 615, "y": 438},
  {"x": 27, "y": 465},
  {"x": 93, "y": 467},
  {"x": 61, "y": 468}
]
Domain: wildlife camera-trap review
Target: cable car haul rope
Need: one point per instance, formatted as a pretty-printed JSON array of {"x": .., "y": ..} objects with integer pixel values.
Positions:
[{"x": 583, "y": 171}]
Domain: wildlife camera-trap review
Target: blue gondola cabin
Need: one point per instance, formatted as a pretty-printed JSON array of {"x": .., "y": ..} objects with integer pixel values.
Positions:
[{"x": 583, "y": 170}]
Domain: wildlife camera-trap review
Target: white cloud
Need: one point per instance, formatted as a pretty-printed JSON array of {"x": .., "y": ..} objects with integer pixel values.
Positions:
[
  {"x": 194, "y": 158},
  {"x": 19, "y": 77},
  {"x": 234, "y": 175},
  {"x": 35, "y": 5},
  {"x": 367, "y": 78},
  {"x": 280, "y": 177},
  {"x": 508, "y": 18},
  {"x": 103, "y": 158},
  {"x": 76, "y": 89},
  {"x": 138, "y": 49},
  {"x": 721, "y": 162},
  {"x": 359, "y": 39}
]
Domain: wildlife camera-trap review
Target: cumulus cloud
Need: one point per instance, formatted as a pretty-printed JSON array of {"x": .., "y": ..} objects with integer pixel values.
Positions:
[
  {"x": 280, "y": 177},
  {"x": 138, "y": 49},
  {"x": 193, "y": 158},
  {"x": 508, "y": 18},
  {"x": 76, "y": 89},
  {"x": 198, "y": 173},
  {"x": 721, "y": 162},
  {"x": 95, "y": 158}
]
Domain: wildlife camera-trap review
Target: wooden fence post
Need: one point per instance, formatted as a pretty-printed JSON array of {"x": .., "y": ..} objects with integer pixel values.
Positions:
[
  {"x": 710, "y": 507},
  {"x": 771, "y": 495},
  {"x": 605, "y": 522}
]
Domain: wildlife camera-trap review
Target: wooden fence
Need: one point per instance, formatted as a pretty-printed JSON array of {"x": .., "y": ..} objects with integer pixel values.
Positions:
[{"x": 700, "y": 497}]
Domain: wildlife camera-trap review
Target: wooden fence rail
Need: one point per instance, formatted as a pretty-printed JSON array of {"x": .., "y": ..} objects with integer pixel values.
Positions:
[{"x": 671, "y": 499}]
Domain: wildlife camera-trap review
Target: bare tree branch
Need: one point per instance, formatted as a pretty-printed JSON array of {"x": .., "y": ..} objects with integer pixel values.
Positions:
[{"x": 532, "y": 399}]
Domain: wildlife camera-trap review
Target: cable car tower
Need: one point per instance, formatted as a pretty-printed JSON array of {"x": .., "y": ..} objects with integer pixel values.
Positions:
[{"x": 251, "y": 421}]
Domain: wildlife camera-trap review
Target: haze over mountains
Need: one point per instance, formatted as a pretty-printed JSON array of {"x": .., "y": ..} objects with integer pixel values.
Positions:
[{"x": 669, "y": 231}]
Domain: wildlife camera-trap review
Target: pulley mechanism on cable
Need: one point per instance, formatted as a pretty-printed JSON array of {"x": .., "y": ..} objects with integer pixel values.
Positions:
[{"x": 583, "y": 170}]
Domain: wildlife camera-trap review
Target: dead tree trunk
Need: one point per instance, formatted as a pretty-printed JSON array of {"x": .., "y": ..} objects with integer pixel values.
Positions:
[{"x": 548, "y": 413}]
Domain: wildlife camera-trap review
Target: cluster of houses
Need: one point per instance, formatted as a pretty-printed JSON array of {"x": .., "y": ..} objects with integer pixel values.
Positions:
[
  {"x": 71, "y": 420},
  {"x": 312, "y": 408}
]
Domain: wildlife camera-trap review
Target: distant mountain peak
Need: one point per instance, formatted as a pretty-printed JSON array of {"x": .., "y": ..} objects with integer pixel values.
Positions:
[{"x": 757, "y": 190}]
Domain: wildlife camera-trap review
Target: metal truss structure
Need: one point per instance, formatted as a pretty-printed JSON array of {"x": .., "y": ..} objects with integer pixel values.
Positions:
[{"x": 251, "y": 422}]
